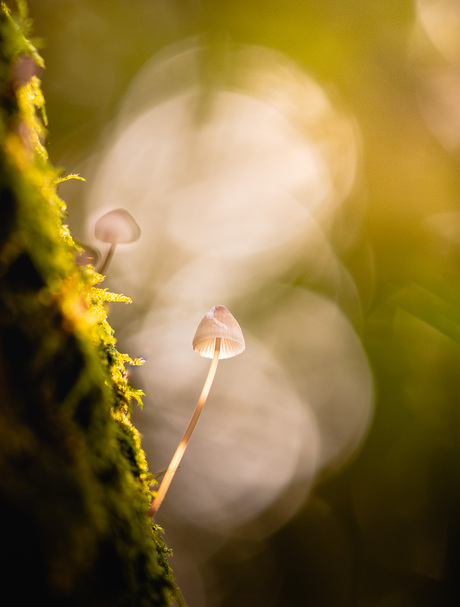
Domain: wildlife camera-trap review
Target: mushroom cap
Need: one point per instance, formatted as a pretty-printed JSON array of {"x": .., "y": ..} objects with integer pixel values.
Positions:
[
  {"x": 117, "y": 227},
  {"x": 219, "y": 322}
]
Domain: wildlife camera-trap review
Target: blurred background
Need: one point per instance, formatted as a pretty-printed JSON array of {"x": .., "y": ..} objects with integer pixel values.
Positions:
[{"x": 297, "y": 162}]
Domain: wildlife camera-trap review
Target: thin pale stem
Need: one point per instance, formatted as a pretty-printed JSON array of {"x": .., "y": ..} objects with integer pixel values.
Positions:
[
  {"x": 176, "y": 459},
  {"x": 107, "y": 259}
]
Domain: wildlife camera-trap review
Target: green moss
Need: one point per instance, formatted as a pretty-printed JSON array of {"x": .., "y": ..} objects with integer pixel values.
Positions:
[{"x": 74, "y": 481}]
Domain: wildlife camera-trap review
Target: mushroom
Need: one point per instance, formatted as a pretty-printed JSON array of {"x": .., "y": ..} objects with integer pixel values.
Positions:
[
  {"x": 218, "y": 336},
  {"x": 115, "y": 227}
]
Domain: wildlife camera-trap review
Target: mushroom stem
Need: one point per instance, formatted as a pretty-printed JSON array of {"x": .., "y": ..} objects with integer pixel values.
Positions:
[
  {"x": 177, "y": 457},
  {"x": 107, "y": 259}
]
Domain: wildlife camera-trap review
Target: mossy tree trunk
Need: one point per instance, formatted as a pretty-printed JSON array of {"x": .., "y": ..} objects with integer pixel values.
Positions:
[{"x": 74, "y": 484}]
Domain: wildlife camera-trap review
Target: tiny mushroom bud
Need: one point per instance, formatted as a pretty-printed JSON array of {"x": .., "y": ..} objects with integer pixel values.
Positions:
[
  {"x": 115, "y": 227},
  {"x": 86, "y": 256},
  {"x": 218, "y": 336}
]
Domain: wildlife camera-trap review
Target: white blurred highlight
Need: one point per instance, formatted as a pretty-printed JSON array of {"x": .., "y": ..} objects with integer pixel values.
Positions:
[
  {"x": 441, "y": 21},
  {"x": 232, "y": 185},
  {"x": 243, "y": 185},
  {"x": 435, "y": 51},
  {"x": 328, "y": 368}
]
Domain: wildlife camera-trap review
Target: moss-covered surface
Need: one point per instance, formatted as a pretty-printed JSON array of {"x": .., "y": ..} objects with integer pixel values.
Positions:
[{"x": 74, "y": 483}]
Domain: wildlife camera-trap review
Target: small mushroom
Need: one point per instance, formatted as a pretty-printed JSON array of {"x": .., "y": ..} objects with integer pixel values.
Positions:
[
  {"x": 115, "y": 227},
  {"x": 218, "y": 336}
]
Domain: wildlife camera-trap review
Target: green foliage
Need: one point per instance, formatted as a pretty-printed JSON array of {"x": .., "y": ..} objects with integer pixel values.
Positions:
[{"x": 74, "y": 481}]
